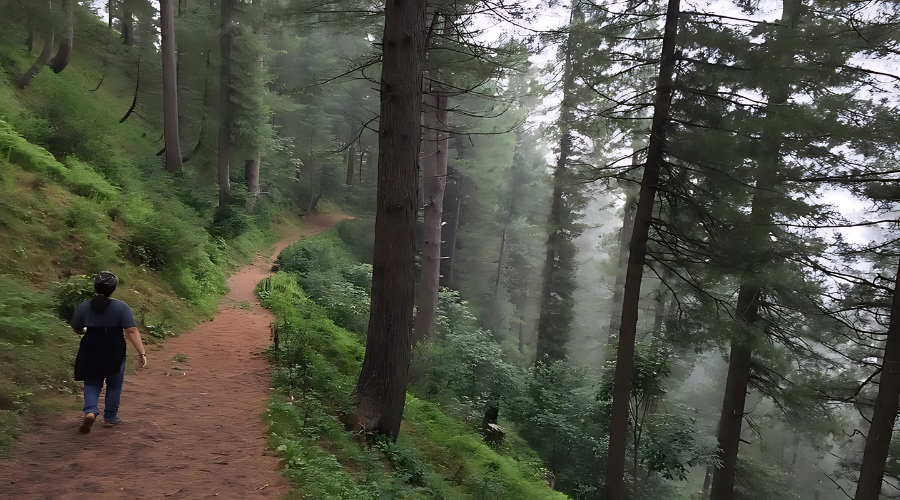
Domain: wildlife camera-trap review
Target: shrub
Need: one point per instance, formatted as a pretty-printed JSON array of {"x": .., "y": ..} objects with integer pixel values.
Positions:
[
  {"x": 360, "y": 276},
  {"x": 320, "y": 254},
  {"x": 230, "y": 222},
  {"x": 30, "y": 157},
  {"x": 84, "y": 181},
  {"x": 359, "y": 236},
  {"x": 36, "y": 355},
  {"x": 70, "y": 293}
]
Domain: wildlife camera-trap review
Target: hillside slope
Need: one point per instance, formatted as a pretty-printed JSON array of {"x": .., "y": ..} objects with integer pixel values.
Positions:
[{"x": 84, "y": 193}]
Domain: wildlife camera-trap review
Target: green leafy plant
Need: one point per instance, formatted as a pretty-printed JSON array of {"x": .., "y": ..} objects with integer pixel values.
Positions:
[{"x": 72, "y": 292}]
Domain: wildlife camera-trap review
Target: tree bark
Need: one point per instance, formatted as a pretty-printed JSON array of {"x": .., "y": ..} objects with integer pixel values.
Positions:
[
  {"x": 381, "y": 389},
  {"x": 453, "y": 195},
  {"x": 363, "y": 158},
  {"x": 251, "y": 175},
  {"x": 732, "y": 417},
  {"x": 26, "y": 77},
  {"x": 29, "y": 41},
  {"x": 659, "y": 315},
  {"x": 748, "y": 304},
  {"x": 207, "y": 104},
  {"x": 878, "y": 440},
  {"x": 624, "y": 374},
  {"x": 553, "y": 329},
  {"x": 224, "y": 103},
  {"x": 64, "y": 53},
  {"x": 170, "y": 87},
  {"x": 615, "y": 316},
  {"x": 127, "y": 23},
  {"x": 435, "y": 172},
  {"x": 351, "y": 159}
]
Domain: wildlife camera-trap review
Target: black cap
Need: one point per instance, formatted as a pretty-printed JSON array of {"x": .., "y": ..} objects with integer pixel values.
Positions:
[{"x": 106, "y": 278}]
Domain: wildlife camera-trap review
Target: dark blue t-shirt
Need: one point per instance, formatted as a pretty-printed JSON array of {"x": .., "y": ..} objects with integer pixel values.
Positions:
[{"x": 116, "y": 315}]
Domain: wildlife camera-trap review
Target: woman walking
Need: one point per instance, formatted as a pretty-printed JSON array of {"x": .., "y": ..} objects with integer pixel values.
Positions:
[{"x": 104, "y": 324}]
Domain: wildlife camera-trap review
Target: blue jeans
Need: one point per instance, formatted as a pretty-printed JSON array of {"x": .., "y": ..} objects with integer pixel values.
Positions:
[{"x": 92, "y": 388}]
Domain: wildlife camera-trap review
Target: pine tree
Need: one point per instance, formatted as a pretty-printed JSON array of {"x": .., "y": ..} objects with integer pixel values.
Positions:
[
  {"x": 170, "y": 87},
  {"x": 615, "y": 470},
  {"x": 381, "y": 389}
]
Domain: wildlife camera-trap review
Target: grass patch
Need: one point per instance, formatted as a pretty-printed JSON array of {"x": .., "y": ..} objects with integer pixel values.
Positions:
[
  {"x": 317, "y": 364},
  {"x": 37, "y": 352}
]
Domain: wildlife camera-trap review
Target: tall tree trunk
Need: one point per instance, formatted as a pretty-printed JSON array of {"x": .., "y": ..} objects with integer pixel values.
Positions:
[
  {"x": 29, "y": 12},
  {"x": 170, "y": 86},
  {"x": 224, "y": 103},
  {"x": 732, "y": 417},
  {"x": 25, "y": 79},
  {"x": 553, "y": 323},
  {"x": 363, "y": 159},
  {"x": 624, "y": 374},
  {"x": 207, "y": 104},
  {"x": 251, "y": 175},
  {"x": 381, "y": 389},
  {"x": 127, "y": 23},
  {"x": 64, "y": 54},
  {"x": 351, "y": 159},
  {"x": 878, "y": 440},
  {"x": 453, "y": 196},
  {"x": 750, "y": 292},
  {"x": 615, "y": 316},
  {"x": 659, "y": 314},
  {"x": 435, "y": 172}
]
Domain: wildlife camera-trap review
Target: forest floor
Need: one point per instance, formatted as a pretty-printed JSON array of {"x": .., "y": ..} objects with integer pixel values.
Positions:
[{"x": 193, "y": 424}]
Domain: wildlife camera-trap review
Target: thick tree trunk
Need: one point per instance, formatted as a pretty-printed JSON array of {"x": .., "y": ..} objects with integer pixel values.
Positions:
[
  {"x": 127, "y": 23},
  {"x": 170, "y": 87},
  {"x": 25, "y": 79},
  {"x": 251, "y": 175},
  {"x": 553, "y": 327},
  {"x": 618, "y": 433},
  {"x": 224, "y": 103},
  {"x": 878, "y": 440},
  {"x": 435, "y": 172},
  {"x": 381, "y": 389},
  {"x": 748, "y": 304},
  {"x": 732, "y": 417},
  {"x": 64, "y": 54}
]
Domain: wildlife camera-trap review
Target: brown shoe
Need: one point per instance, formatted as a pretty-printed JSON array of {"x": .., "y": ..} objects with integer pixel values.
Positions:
[{"x": 87, "y": 423}]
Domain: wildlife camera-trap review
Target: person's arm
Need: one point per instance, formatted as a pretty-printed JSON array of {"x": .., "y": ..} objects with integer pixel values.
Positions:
[
  {"x": 135, "y": 337},
  {"x": 77, "y": 322}
]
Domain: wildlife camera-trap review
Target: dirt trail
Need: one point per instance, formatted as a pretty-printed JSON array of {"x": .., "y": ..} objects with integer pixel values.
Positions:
[{"x": 193, "y": 429}]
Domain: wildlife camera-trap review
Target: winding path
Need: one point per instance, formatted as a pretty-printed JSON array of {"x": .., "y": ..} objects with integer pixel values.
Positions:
[{"x": 193, "y": 429}]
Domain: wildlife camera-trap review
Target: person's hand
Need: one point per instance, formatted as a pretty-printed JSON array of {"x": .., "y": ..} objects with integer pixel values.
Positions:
[{"x": 142, "y": 360}]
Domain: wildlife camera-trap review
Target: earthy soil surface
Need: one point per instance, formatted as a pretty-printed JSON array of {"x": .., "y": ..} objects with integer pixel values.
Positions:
[{"x": 192, "y": 428}]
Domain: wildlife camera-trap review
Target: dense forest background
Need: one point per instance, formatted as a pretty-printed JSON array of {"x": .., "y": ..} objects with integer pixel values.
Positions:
[{"x": 655, "y": 242}]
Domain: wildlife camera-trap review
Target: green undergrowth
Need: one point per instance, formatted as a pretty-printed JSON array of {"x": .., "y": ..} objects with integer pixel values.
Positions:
[
  {"x": 83, "y": 193},
  {"x": 317, "y": 363}
]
